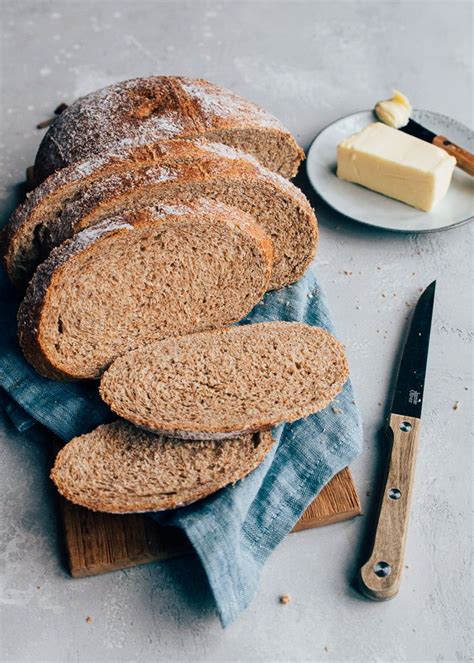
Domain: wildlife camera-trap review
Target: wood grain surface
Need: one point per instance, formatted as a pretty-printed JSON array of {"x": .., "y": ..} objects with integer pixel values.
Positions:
[
  {"x": 381, "y": 575},
  {"x": 101, "y": 542},
  {"x": 464, "y": 158}
]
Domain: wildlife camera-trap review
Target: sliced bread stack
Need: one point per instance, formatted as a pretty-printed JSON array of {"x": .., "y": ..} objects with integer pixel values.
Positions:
[
  {"x": 161, "y": 215},
  {"x": 88, "y": 192},
  {"x": 207, "y": 401}
]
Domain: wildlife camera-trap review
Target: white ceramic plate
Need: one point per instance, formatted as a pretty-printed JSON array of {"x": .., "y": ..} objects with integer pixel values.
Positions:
[{"x": 374, "y": 209}]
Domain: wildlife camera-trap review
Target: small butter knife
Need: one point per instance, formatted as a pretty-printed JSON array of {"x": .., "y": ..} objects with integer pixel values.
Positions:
[
  {"x": 464, "y": 158},
  {"x": 381, "y": 575}
]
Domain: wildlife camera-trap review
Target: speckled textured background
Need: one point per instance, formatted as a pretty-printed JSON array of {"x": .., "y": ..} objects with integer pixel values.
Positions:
[{"x": 309, "y": 63}]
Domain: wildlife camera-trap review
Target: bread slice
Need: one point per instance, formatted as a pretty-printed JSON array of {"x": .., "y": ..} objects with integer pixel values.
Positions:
[
  {"x": 85, "y": 194},
  {"x": 135, "y": 279},
  {"x": 27, "y": 240},
  {"x": 144, "y": 111},
  {"x": 119, "y": 468},
  {"x": 223, "y": 383}
]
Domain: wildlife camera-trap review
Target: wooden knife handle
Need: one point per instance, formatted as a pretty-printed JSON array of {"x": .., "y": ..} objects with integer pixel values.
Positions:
[
  {"x": 465, "y": 159},
  {"x": 381, "y": 575}
]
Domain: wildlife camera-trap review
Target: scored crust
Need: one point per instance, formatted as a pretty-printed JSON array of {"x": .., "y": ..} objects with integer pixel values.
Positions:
[
  {"x": 222, "y": 383},
  {"x": 118, "y": 468},
  {"x": 146, "y": 110},
  {"x": 36, "y": 313}
]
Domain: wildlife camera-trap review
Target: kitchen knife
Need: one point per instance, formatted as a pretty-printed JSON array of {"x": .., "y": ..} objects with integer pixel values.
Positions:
[
  {"x": 380, "y": 576},
  {"x": 465, "y": 159}
]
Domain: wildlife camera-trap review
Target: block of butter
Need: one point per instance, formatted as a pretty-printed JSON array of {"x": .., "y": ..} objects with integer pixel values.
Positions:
[{"x": 396, "y": 164}]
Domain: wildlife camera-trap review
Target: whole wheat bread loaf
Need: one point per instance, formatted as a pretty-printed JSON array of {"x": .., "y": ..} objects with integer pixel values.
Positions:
[
  {"x": 180, "y": 171},
  {"x": 223, "y": 383},
  {"x": 138, "y": 278},
  {"x": 147, "y": 110},
  {"x": 119, "y": 468}
]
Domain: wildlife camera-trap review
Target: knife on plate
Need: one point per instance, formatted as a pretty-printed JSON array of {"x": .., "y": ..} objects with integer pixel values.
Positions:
[
  {"x": 464, "y": 158},
  {"x": 381, "y": 575}
]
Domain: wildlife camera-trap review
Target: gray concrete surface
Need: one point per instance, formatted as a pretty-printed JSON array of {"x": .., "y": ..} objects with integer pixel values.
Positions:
[{"x": 309, "y": 63}]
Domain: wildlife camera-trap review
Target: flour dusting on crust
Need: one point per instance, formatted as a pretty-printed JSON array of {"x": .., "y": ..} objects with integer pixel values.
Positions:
[
  {"x": 146, "y": 110},
  {"x": 218, "y": 102}
]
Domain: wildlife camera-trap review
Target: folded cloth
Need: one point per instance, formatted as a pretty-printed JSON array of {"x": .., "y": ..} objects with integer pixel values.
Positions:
[{"x": 235, "y": 530}]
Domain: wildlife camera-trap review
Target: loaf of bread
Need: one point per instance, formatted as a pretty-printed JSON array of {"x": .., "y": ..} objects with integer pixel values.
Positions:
[
  {"x": 119, "y": 468},
  {"x": 223, "y": 383},
  {"x": 144, "y": 111},
  {"x": 138, "y": 278},
  {"x": 86, "y": 193},
  {"x": 161, "y": 216}
]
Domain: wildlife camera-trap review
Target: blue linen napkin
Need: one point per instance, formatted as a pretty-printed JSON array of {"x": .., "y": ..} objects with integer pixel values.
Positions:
[{"x": 235, "y": 530}]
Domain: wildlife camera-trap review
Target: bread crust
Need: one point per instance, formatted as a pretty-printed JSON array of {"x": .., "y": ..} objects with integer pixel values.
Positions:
[
  {"x": 146, "y": 110},
  {"x": 36, "y": 302}
]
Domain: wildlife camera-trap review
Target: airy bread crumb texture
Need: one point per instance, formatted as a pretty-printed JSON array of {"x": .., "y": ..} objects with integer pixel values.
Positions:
[
  {"x": 119, "y": 468},
  {"x": 222, "y": 383}
]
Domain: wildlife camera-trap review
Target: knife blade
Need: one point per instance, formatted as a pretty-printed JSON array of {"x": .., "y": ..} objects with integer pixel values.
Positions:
[
  {"x": 464, "y": 158},
  {"x": 408, "y": 397},
  {"x": 419, "y": 131},
  {"x": 381, "y": 575}
]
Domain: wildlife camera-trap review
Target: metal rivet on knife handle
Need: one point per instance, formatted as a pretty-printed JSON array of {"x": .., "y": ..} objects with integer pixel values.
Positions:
[{"x": 382, "y": 569}]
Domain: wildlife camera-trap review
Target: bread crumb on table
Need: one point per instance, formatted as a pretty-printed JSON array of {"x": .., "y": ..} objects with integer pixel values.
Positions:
[
  {"x": 336, "y": 410},
  {"x": 88, "y": 620},
  {"x": 456, "y": 405},
  {"x": 285, "y": 599}
]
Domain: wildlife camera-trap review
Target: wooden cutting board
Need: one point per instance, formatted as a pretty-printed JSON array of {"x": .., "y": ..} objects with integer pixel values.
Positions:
[{"x": 101, "y": 542}]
